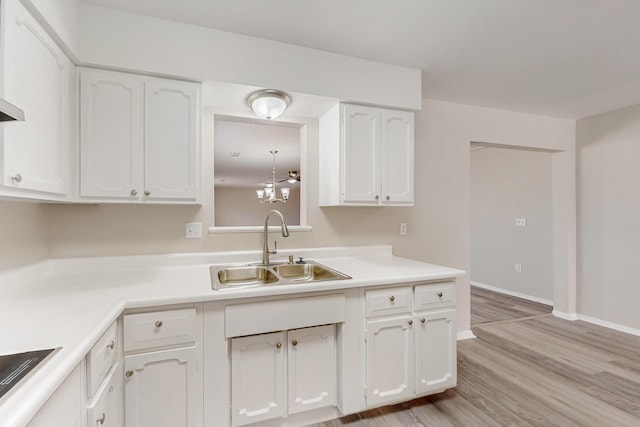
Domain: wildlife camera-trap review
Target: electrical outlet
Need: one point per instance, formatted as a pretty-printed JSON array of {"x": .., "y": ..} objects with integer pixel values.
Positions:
[
  {"x": 403, "y": 228},
  {"x": 519, "y": 268},
  {"x": 193, "y": 230},
  {"x": 521, "y": 222}
]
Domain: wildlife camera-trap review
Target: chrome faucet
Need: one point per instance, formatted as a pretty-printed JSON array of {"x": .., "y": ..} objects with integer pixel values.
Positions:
[{"x": 265, "y": 247}]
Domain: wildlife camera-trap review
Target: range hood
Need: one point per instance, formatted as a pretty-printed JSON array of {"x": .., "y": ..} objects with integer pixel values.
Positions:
[{"x": 9, "y": 112}]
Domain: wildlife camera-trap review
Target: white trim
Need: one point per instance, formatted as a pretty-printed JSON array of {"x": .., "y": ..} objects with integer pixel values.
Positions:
[
  {"x": 512, "y": 293},
  {"x": 465, "y": 335},
  {"x": 258, "y": 229},
  {"x": 565, "y": 316},
  {"x": 610, "y": 325}
]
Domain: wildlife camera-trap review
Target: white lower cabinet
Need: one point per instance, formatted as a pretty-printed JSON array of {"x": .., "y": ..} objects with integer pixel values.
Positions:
[
  {"x": 64, "y": 407},
  {"x": 105, "y": 408},
  {"x": 389, "y": 360},
  {"x": 282, "y": 373},
  {"x": 410, "y": 342},
  {"x": 160, "y": 388}
]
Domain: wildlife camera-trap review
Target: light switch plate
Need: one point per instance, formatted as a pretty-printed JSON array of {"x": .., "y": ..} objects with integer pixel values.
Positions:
[{"x": 403, "y": 228}]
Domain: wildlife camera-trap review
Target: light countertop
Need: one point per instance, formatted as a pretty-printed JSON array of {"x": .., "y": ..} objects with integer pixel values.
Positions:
[{"x": 69, "y": 303}]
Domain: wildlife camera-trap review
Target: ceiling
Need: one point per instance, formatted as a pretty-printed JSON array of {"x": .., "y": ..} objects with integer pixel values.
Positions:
[{"x": 568, "y": 58}]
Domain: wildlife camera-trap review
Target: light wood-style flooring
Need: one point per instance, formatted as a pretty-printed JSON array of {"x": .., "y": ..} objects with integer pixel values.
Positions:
[{"x": 527, "y": 368}]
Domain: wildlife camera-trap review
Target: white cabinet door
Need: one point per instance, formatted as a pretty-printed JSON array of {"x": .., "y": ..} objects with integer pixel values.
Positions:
[
  {"x": 436, "y": 351},
  {"x": 110, "y": 134},
  {"x": 390, "y": 355},
  {"x": 37, "y": 78},
  {"x": 161, "y": 389},
  {"x": 171, "y": 138},
  {"x": 105, "y": 409},
  {"x": 361, "y": 152},
  {"x": 257, "y": 378},
  {"x": 65, "y": 407},
  {"x": 311, "y": 361},
  {"x": 397, "y": 157}
]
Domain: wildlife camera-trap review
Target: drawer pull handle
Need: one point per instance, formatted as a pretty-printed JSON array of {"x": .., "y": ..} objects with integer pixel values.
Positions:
[
  {"x": 101, "y": 419},
  {"x": 423, "y": 320},
  {"x": 392, "y": 298},
  {"x": 128, "y": 374},
  {"x": 377, "y": 197},
  {"x": 439, "y": 294},
  {"x": 133, "y": 193},
  {"x": 410, "y": 322},
  {"x": 147, "y": 192},
  {"x": 294, "y": 343},
  {"x": 388, "y": 197},
  {"x": 111, "y": 345},
  {"x": 17, "y": 178},
  {"x": 278, "y": 345},
  {"x": 158, "y": 323}
]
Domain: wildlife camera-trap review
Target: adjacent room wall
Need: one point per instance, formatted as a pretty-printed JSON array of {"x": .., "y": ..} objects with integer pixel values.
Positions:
[
  {"x": 608, "y": 150},
  {"x": 23, "y": 233},
  {"x": 240, "y": 207},
  {"x": 507, "y": 184}
]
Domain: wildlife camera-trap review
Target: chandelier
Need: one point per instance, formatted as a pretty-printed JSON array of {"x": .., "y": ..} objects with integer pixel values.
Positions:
[{"x": 268, "y": 193}]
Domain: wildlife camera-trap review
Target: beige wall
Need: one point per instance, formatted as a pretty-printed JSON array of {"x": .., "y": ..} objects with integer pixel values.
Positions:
[
  {"x": 23, "y": 233},
  {"x": 608, "y": 149},
  {"x": 507, "y": 184}
]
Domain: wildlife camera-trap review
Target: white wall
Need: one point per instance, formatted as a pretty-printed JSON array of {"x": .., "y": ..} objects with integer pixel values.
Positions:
[
  {"x": 133, "y": 42},
  {"x": 23, "y": 233},
  {"x": 62, "y": 19},
  {"x": 240, "y": 207},
  {"x": 507, "y": 184},
  {"x": 608, "y": 150}
]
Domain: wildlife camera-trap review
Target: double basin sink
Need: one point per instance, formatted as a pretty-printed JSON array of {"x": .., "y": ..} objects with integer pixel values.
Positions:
[{"x": 253, "y": 275}]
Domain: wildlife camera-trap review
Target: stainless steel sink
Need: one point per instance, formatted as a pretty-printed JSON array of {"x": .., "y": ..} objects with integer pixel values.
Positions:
[
  {"x": 308, "y": 272},
  {"x": 246, "y": 276},
  {"x": 241, "y": 276}
]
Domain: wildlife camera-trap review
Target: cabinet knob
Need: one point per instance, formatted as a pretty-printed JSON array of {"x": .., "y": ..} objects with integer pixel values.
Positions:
[
  {"x": 128, "y": 374},
  {"x": 278, "y": 345},
  {"x": 392, "y": 298},
  {"x": 294, "y": 343},
  {"x": 133, "y": 193},
  {"x": 101, "y": 419},
  {"x": 111, "y": 345},
  {"x": 17, "y": 178},
  {"x": 147, "y": 192},
  {"x": 158, "y": 323},
  {"x": 439, "y": 294},
  {"x": 377, "y": 197},
  {"x": 410, "y": 322},
  {"x": 388, "y": 197},
  {"x": 423, "y": 320}
]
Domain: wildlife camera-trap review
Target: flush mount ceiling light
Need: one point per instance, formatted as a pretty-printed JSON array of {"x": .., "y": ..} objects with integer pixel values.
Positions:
[{"x": 269, "y": 103}]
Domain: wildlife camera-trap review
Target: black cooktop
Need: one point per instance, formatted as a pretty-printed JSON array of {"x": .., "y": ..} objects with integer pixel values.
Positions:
[{"x": 14, "y": 367}]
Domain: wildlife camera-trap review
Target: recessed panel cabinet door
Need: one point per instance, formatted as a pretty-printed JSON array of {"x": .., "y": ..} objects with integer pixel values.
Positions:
[
  {"x": 397, "y": 157},
  {"x": 110, "y": 134},
  {"x": 361, "y": 148},
  {"x": 171, "y": 140},
  {"x": 38, "y": 78},
  {"x": 390, "y": 360},
  {"x": 160, "y": 389},
  {"x": 436, "y": 351},
  {"x": 257, "y": 378},
  {"x": 311, "y": 368}
]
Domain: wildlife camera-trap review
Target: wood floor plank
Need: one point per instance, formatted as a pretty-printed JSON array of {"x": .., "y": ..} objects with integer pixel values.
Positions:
[{"x": 527, "y": 368}]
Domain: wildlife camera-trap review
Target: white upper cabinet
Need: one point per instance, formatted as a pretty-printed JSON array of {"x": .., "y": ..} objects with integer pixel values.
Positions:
[
  {"x": 366, "y": 156},
  {"x": 39, "y": 78},
  {"x": 139, "y": 138}
]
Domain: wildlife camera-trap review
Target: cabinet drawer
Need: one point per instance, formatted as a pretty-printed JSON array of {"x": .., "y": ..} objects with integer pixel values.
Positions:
[
  {"x": 158, "y": 329},
  {"x": 103, "y": 410},
  {"x": 434, "y": 296},
  {"x": 101, "y": 358},
  {"x": 382, "y": 302}
]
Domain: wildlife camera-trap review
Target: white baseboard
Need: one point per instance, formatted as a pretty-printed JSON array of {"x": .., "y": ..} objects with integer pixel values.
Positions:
[
  {"x": 565, "y": 316},
  {"x": 610, "y": 325},
  {"x": 465, "y": 335},
  {"x": 512, "y": 293}
]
